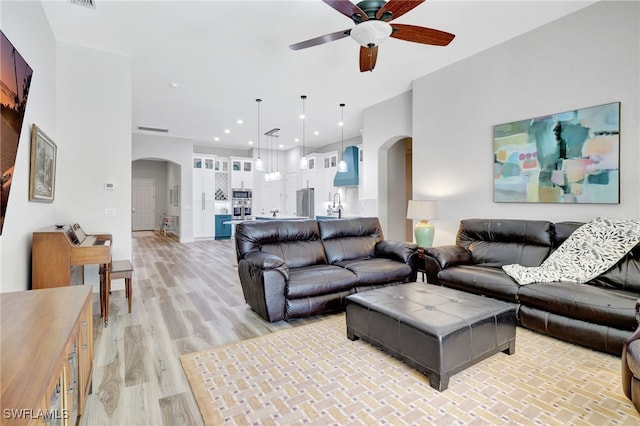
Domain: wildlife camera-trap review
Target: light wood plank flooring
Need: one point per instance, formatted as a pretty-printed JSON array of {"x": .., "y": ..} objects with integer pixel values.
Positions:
[{"x": 186, "y": 297}]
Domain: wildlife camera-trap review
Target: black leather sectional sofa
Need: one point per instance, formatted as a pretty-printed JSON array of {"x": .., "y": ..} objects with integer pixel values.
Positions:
[
  {"x": 298, "y": 268},
  {"x": 599, "y": 314}
]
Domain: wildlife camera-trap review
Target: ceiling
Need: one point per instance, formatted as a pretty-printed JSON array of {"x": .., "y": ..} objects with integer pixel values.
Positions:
[{"x": 222, "y": 55}]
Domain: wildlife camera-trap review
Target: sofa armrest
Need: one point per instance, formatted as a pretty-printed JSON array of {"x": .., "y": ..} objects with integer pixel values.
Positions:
[
  {"x": 400, "y": 251},
  {"x": 265, "y": 261},
  {"x": 397, "y": 250},
  {"x": 449, "y": 255},
  {"x": 438, "y": 258},
  {"x": 264, "y": 277}
]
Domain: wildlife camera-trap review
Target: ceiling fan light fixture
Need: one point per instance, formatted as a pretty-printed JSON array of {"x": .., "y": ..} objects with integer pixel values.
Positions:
[{"x": 371, "y": 33}]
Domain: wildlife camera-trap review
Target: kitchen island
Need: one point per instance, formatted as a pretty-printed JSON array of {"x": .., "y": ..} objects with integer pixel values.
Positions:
[{"x": 282, "y": 217}]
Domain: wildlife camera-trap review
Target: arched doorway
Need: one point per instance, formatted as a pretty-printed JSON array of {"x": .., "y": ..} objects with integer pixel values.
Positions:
[
  {"x": 161, "y": 180},
  {"x": 395, "y": 187}
]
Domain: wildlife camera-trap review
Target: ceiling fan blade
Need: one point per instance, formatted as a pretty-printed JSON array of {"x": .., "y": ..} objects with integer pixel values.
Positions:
[
  {"x": 321, "y": 40},
  {"x": 421, "y": 34},
  {"x": 397, "y": 8},
  {"x": 368, "y": 57},
  {"x": 348, "y": 9}
]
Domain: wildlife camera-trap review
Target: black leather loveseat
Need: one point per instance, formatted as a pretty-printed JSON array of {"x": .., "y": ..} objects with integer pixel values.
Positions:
[
  {"x": 599, "y": 314},
  {"x": 298, "y": 268}
]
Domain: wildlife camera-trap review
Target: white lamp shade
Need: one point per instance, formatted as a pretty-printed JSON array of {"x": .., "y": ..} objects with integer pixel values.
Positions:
[
  {"x": 422, "y": 209},
  {"x": 342, "y": 166},
  {"x": 372, "y": 32},
  {"x": 259, "y": 165}
]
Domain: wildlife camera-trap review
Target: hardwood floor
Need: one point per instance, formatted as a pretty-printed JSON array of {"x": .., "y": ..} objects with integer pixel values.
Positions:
[{"x": 186, "y": 297}]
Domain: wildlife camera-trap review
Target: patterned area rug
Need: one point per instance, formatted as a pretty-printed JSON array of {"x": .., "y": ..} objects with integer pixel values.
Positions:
[{"x": 313, "y": 374}]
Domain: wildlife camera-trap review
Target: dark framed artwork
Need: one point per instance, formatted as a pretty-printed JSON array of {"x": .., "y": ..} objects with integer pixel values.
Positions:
[
  {"x": 42, "y": 180},
  {"x": 571, "y": 157},
  {"x": 15, "y": 79}
]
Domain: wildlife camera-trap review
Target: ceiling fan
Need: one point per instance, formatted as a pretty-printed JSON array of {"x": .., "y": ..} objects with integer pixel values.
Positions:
[{"x": 372, "y": 19}]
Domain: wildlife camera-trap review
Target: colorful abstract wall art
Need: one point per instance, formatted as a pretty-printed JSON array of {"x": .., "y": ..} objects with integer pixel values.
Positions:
[
  {"x": 15, "y": 79},
  {"x": 571, "y": 157}
]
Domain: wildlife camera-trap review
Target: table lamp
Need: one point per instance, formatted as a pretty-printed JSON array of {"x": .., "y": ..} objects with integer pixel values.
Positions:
[{"x": 423, "y": 210}]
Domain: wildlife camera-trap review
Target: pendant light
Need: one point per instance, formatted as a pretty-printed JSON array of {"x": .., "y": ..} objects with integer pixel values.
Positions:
[
  {"x": 268, "y": 176},
  {"x": 304, "y": 163},
  {"x": 259, "y": 164},
  {"x": 276, "y": 173},
  {"x": 342, "y": 165}
]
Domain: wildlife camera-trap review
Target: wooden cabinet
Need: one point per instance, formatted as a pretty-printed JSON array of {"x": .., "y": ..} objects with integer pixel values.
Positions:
[{"x": 47, "y": 355}]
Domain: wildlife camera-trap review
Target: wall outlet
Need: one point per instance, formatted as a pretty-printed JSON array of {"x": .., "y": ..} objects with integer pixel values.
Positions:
[{"x": 109, "y": 212}]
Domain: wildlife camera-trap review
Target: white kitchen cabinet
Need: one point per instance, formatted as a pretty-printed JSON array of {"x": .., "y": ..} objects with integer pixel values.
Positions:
[
  {"x": 203, "y": 196},
  {"x": 241, "y": 173},
  {"x": 329, "y": 170},
  {"x": 309, "y": 176}
]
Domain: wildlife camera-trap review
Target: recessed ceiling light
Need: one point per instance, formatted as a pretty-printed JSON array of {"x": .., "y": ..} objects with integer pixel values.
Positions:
[
  {"x": 316, "y": 133},
  {"x": 239, "y": 121},
  {"x": 281, "y": 146},
  {"x": 227, "y": 131},
  {"x": 296, "y": 140},
  {"x": 216, "y": 139},
  {"x": 250, "y": 142}
]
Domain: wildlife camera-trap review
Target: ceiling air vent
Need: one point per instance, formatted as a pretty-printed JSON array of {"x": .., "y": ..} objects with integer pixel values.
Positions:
[
  {"x": 153, "y": 129},
  {"x": 86, "y": 3}
]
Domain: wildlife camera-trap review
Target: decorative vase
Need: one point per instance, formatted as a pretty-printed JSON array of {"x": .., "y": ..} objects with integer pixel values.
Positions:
[{"x": 424, "y": 232}]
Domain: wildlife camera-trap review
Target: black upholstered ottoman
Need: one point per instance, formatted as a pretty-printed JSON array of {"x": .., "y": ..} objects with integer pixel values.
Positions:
[{"x": 437, "y": 330}]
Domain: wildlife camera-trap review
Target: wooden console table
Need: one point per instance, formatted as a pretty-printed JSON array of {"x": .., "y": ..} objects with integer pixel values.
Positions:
[{"x": 47, "y": 355}]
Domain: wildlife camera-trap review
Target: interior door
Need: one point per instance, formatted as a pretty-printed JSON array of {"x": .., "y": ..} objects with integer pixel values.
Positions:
[{"x": 144, "y": 204}]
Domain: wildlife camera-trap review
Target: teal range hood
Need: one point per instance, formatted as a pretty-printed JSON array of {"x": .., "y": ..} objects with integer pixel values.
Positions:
[{"x": 350, "y": 177}]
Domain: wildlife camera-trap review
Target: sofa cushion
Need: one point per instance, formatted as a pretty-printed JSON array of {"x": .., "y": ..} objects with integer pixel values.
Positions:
[
  {"x": 590, "y": 250},
  {"x": 624, "y": 275},
  {"x": 497, "y": 242},
  {"x": 484, "y": 280},
  {"x": 377, "y": 270},
  {"x": 584, "y": 302},
  {"x": 316, "y": 280},
  {"x": 297, "y": 242},
  {"x": 346, "y": 239}
]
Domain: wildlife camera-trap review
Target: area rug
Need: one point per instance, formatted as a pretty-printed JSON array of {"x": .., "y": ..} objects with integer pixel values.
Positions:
[
  {"x": 313, "y": 374},
  {"x": 142, "y": 234}
]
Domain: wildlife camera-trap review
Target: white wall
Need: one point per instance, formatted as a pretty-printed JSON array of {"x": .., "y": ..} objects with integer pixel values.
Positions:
[
  {"x": 384, "y": 124},
  {"x": 174, "y": 177},
  {"x": 26, "y": 26},
  {"x": 585, "y": 59},
  {"x": 179, "y": 151},
  {"x": 82, "y": 99},
  {"x": 93, "y": 104}
]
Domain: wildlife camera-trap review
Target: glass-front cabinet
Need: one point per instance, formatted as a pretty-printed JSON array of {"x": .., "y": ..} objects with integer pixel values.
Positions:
[{"x": 241, "y": 173}]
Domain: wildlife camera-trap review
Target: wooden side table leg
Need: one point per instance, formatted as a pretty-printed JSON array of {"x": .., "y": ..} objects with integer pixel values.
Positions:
[
  {"x": 102, "y": 272},
  {"x": 107, "y": 288},
  {"x": 128, "y": 291}
]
